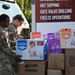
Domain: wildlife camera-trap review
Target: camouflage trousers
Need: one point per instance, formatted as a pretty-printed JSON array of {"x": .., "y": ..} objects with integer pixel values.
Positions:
[{"x": 5, "y": 72}]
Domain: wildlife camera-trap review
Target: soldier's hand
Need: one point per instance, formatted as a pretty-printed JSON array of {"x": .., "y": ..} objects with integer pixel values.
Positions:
[{"x": 18, "y": 59}]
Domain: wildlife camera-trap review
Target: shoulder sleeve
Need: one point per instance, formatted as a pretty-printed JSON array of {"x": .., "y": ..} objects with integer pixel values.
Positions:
[
  {"x": 11, "y": 28},
  {"x": 4, "y": 44},
  {"x": 6, "y": 49},
  {"x": 2, "y": 33}
]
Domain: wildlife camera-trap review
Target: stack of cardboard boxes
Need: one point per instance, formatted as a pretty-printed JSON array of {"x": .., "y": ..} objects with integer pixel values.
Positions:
[
  {"x": 55, "y": 64},
  {"x": 70, "y": 61},
  {"x": 32, "y": 67},
  {"x": 55, "y": 55},
  {"x": 67, "y": 40},
  {"x": 34, "y": 57}
]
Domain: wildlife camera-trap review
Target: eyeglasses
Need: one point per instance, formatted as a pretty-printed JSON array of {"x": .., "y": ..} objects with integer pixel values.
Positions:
[{"x": 21, "y": 22}]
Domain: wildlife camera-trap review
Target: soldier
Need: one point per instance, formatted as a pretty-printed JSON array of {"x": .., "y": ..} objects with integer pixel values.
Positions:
[
  {"x": 12, "y": 28},
  {"x": 5, "y": 50},
  {"x": 13, "y": 35}
]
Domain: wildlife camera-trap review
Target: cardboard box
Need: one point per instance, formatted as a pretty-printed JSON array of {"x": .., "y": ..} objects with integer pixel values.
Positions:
[
  {"x": 34, "y": 35},
  {"x": 70, "y": 61},
  {"x": 54, "y": 43},
  {"x": 56, "y": 61},
  {"x": 68, "y": 74},
  {"x": 31, "y": 49},
  {"x": 54, "y": 72},
  {"x": 33, "y": 67},
  {"x": 67, "y": 38}
]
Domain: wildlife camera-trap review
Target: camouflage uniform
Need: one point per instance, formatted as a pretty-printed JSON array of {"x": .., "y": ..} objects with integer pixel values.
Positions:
[
  {"x": 12, "y": 32},
  {"x": 5, "y": 53},
  {"x": 12, "y": 35}
]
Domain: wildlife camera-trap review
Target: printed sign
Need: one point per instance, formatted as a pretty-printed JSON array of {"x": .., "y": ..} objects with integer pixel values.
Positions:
[{"x": 55, "y": 10}]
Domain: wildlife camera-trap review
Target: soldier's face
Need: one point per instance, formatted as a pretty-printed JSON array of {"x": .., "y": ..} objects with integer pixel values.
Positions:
[
  {"x": 21, "y": 22},
  {"x": 17, "y": 23},
  {"x": 6, "y": 23}
]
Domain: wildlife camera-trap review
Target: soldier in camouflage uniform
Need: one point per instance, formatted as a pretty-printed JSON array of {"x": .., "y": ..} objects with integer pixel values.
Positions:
[
  {"x": 5, "y": 50},
  {"x": 12, "y": 28},
  {"x": 13, "y": 35}
]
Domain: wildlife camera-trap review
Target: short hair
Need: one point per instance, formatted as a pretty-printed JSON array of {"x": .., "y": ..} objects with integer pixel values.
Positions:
[
  {"x": 19, "y": 17},
  {"x": 31, "y": 43},
  {"x": 3, "y": 17}
]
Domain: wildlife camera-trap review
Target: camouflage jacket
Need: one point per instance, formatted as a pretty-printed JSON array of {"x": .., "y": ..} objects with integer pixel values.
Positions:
[
  {"x": 12, "y": 31},
  {"x": 5, "y": 51}
]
